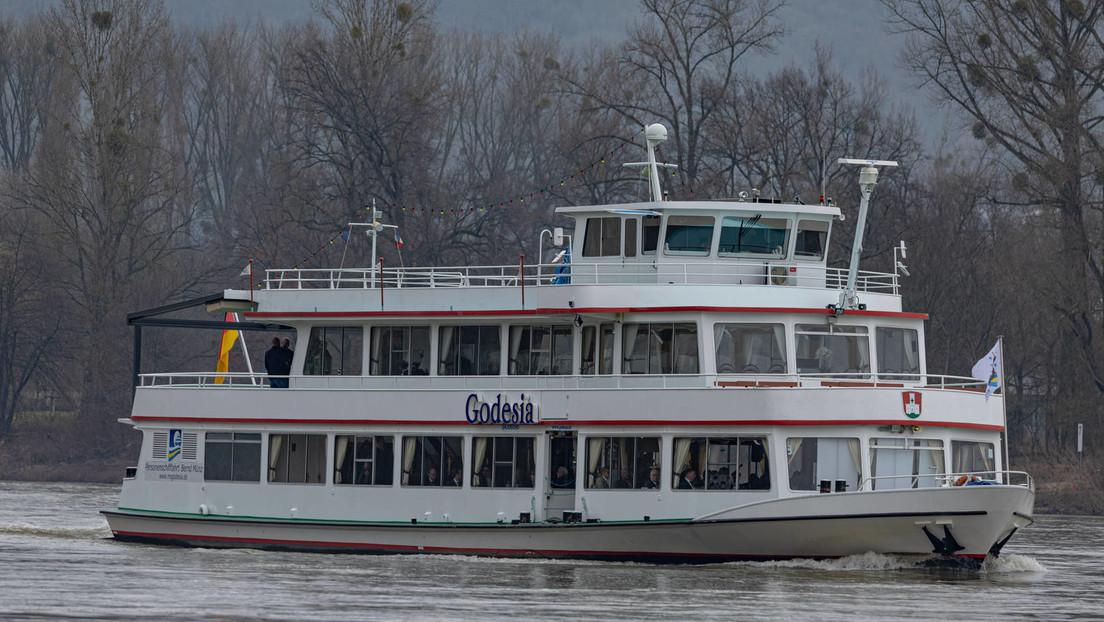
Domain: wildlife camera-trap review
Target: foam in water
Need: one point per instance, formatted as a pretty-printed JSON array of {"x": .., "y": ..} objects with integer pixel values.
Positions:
[
  {"x": 27, "y": 529},
  {"x": 1012, "y": 563}
]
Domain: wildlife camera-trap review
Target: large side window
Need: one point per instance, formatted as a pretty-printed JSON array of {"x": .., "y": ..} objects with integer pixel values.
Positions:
[
  {"x": 721, "y": 463},
  {"x": 400, "y": 351},
  {"x": 297, "y": 458},
  {"x": 469, "y": 350},
  {"x": 906, "y": 462},
  {"x": 657, "y": 348},
  {"x": 898, "y": 353},
  {"x": 364, "y": 460},
  {"x": 334, "y": 351},
  {"x": 812, "y": 239},
  {"x": 603, "y": 237},
  {"x": 813, "y": 461},
  {"x": 540, "y": 350},
  {"x": 973, "y": 457},
  {"x": 232, "y": 457},
  {"x": 753, "y": 236},
  {"x": 649, "y": 234},
  {"x": 503, "y": 462},
  {"x": 597, "y": 350},
  {"x": 688, "y": 235},
  {"x": 750, "y": 348},
  {"x": 431, "y": 460},
  {"x": 831, "y": 349},
  {"x": 622, "y": 462}
]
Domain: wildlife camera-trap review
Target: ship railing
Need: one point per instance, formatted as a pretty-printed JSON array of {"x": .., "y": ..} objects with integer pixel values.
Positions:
[
  {"x": 218, "y": 380},
  {"x": 551, "y": 275},
  {"x": 948, "y": 480}
]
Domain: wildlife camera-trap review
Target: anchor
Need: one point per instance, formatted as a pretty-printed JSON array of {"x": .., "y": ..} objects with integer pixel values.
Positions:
[
  {"x": 996, "y": 548},
  {"x": 946, "y": 546}
]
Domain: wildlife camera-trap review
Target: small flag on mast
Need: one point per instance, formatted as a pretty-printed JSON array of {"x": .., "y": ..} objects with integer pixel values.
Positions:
[
  {"x": 248, "y": 270},
  {"x": 398, "y": 239},
  {"x": 345, "y": 234},
  {"x": 989, "y": 370}
]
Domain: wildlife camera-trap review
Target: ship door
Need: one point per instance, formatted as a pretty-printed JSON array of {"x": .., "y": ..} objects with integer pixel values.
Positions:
[{"x": 560, "y": 481}]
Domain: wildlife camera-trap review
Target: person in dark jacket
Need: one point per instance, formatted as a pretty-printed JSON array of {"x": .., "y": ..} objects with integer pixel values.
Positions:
[
  {"x": 274, "y": 365},
  {"x": 289, "y": 354},
  {"x": 689, "y": 480}
]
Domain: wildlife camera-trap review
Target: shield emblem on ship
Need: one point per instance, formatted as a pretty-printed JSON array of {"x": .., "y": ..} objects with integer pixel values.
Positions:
[{"x": 912, "y": 403}]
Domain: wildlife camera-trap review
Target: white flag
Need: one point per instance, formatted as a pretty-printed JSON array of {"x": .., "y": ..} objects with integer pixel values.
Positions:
[
  {"x": 248, "y": 270},
  {"x": 989, "y": 370}
]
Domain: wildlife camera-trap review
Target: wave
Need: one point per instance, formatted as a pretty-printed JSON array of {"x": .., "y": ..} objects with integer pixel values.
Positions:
[
  {"x": 1013, "y": 563},
  {"x": 871, "y": 561},
  {"x": 56, "y": 531}
]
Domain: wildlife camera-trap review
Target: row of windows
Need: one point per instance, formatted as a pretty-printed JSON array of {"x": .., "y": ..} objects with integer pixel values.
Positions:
[
  {"x": 738, "y": 236},
  {"x": 647, "y": 348}
]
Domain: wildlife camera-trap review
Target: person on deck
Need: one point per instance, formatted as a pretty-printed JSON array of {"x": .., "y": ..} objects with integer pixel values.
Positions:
[
  {"x": 289, "y": 354},
  {"x": 274, "y": 365}
]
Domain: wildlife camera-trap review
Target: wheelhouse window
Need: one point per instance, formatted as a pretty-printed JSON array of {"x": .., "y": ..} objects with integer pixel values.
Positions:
[
  {"x": 630, "y": 237},
  {"x": 232, "y": 457},
  {"x": 503, "y": 462},
  {"x": 431, "y": 460},
  {"x": 603, "y": 237},
  {"x": 973, "y": 457},
  {"x": 753, "y": 236},
  {"x": 832, "y": 349},
  {"x": 721, "y": 463},
  {"x": 540, "y": 350},
  {"x": 649, "y": 234},
  {"x": 750, "y": 348},
  {"x": 297, "y": 458},
  {"x": 657, "y": 348},
  {"x": 622, "y": 462},
  {"x": 597, "y": 350},
  {"x": 688, "y": 235},
  {"x": 906, "y": 462},
  {"x": 334, "y": 351},
  {"x": 364, "y": 460},
  {"x": 400, "y": 351},
  {"x": 898, "y": 353},
  {"x": 469, "y": 350},
  {"x": 811, "y": 240},
  {"x": 812, "y": 461}
]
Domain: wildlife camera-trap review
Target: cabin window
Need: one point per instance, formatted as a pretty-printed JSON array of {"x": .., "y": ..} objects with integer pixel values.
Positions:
[
  {"x": 973, "y": 457},
  {"x": 364, "y": 460},
  {"x": 503, "y": 462},
  {"x": 597, "y": 350},
  {"x": 721, "y": 463},
  {"x": 540, "y": 350},
  {"x": 469, "y": 350},
  {"x": 750, "y": 348},
  {"x": 898, "y": 353},
  {"x": 297, "y": 458},
  {"x": 832, "y": 349},
  {"x": 649, "y": 234},
  {"x": 688, "y": 235},
  {"x": 622, "y": 462},
  {"x": 603, "y": 237},
  {"x": 753, "y": 235},
  {"x": 400, "y": 351},
  {"x": 660, "y": 348},
  {"x": 812, "y": 239},
  {"x": 232, "y": 457},
  {"x": 812, "y": 461},
  {"x": 906, "y": 462},
  {"x": 630, "y": 237},
  {"x": 334, "y": 351},
  {"x": 431, "y": 460}
]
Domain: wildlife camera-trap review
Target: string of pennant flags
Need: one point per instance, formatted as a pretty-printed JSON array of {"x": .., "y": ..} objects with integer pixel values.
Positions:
[{"x": 345, "y": 233}]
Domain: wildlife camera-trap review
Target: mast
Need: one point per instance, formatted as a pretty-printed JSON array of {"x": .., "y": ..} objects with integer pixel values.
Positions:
[
  {"x": 655, "y": 135},
  {"x": 868, "y": 178}
]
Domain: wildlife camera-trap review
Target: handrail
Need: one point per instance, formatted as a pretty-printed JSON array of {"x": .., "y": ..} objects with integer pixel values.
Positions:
[{"x": 947, "y": 480}]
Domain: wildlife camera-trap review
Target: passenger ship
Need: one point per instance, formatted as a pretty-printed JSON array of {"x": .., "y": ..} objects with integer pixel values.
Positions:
[{"x": 694, "y": 385}]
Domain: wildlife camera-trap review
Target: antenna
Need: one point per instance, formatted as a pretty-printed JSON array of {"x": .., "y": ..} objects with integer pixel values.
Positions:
[
  {"x": 655, "y": 135},
  {"x": 868, "y": 178}
]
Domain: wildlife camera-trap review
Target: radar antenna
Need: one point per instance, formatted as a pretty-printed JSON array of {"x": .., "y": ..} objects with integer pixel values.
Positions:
[{"x": 655, "y": 134}]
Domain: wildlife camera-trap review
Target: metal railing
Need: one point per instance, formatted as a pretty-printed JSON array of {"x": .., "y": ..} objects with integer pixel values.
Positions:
[
  {"x": 948, "y": 480},
  {"x": 544, "y": 275}
]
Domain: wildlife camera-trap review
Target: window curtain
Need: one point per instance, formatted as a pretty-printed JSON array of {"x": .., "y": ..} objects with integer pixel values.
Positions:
[
  {"x": 873, "y": 466},
  {"x": 862, "y": 345},
  {"x": 778, "y": 353},
  {"x": 340, "y": 447},
  {"x": 587, "y": 353},
  {"x": 628, "y": 342},
  {"x": 594, "y": 455},
  {"x": 959, "y": 456},
  {"x": 985, "y": 460},
  {"x": 275, "y": 441},
  {"x": 795, "y": 446},
  {"x": 444, "y": 349},
  {"x": 655, "y": 361},
  {"x": 856, "y": 457},
  {"x": 479, "y": 451},
  {"x": 516, "y": 333},
  {"x": 377, "y": 369},
  {"x": 912, "y": 356},
  {"x": 725, "y": 349},
  {"x": 682, "y": 457},
  {"x": 686, "y": 357},
  {"x": 409, "y": 444}
]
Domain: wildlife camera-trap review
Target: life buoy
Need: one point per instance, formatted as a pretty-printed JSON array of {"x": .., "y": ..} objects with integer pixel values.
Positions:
[{"x": 963, "y": 479}]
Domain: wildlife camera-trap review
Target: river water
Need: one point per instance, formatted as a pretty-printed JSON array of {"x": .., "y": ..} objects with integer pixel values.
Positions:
[{"x": 57, "y": 561}]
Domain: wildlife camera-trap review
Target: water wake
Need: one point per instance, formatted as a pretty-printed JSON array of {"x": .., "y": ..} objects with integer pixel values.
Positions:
[
  {"x": 1013, "y": 563},
  {"x": 76, "y": 533}
]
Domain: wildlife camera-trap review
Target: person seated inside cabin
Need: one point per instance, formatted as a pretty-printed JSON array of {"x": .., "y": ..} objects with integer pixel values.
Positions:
[
  {"x": 522, "y": 479},
  {"x": 432, "y": 478},
  {"x": 457, "y": 479},
  {"x": 484, "y": 477},
  {"x": 689, "y": 480},
  {"x": 603, "y": 479},
  {"x": 563, "y": 477},
  {"x": 365, "y": 476},
  {"x": 624, "y": 480},
  {"x": 653, "y": 480},
  {"x": 720, "y": 480}
]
